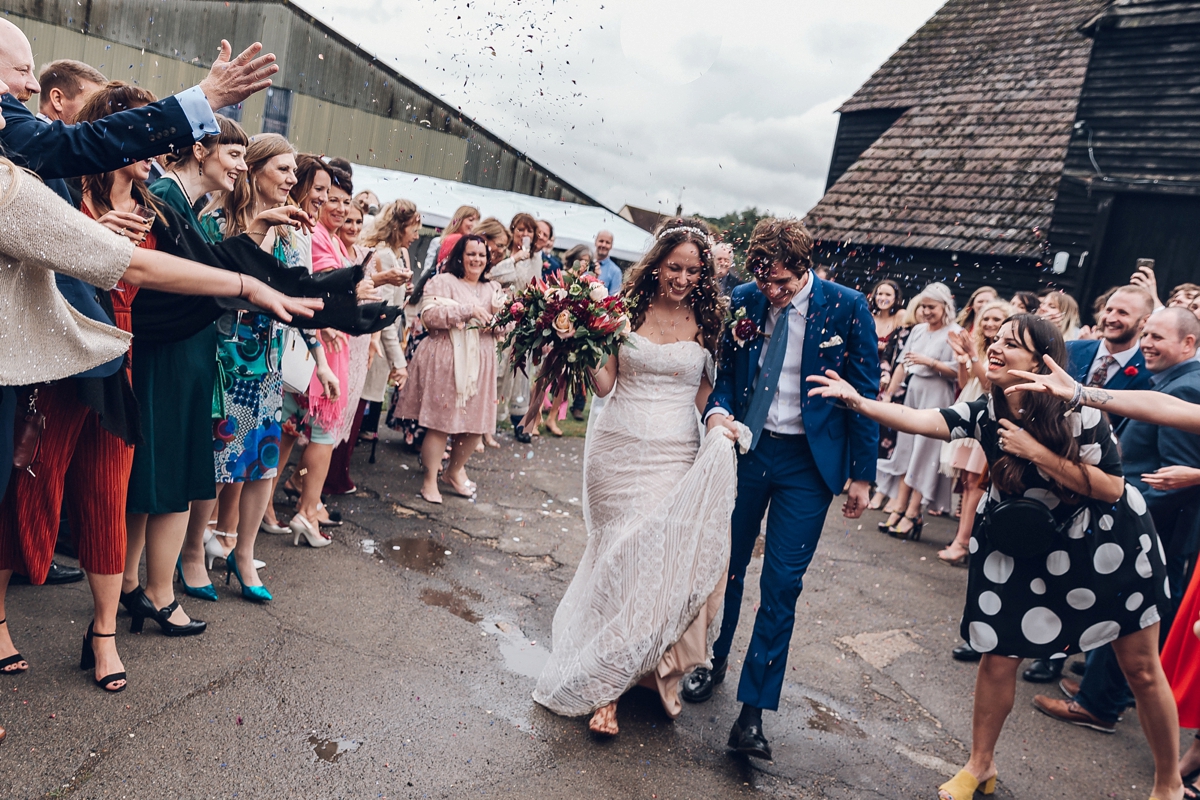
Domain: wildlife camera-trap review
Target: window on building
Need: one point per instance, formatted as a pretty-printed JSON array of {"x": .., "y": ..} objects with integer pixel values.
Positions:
[
  {"x": 278, "y": 112},
  {"x": 233, "y": 112}
]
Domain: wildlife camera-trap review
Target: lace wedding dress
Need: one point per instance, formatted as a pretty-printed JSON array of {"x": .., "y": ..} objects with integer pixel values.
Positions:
[{"x": 645, "y": 604}]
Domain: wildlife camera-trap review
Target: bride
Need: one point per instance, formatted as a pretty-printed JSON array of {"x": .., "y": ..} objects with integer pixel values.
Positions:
[{"x": 645, "y": 604}]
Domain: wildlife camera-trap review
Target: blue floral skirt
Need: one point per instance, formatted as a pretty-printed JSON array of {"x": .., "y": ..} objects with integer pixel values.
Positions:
[{"x": 246, "y": 441}]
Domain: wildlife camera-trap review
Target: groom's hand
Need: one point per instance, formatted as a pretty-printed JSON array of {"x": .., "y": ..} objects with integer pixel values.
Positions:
[{"x": 857, "y": 499}]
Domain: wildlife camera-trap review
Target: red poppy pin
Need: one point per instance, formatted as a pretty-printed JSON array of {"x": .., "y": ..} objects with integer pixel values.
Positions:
[{"x": 1131, "y": 371}]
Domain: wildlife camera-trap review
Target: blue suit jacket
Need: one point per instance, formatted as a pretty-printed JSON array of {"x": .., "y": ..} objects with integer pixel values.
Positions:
[
  {"x": 1083, "y": 351},
  {"x": 844, "y": 444},
  {"x": 56, "y": 151},
  {"x": 1146, "y": 447}
]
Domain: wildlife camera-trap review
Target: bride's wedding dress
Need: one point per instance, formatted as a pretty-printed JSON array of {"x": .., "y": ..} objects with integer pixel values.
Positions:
[{"x": 645, "y": 604}]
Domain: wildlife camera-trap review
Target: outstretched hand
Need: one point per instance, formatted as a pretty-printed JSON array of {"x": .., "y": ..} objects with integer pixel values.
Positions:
[
  {"x": 290, "y": 216},
  {"x": 1058, "y": 383},
  {"x": 280, "y": 305},
  {"x": 230, "y": 82},
  {"x": 835, "y": 387}
]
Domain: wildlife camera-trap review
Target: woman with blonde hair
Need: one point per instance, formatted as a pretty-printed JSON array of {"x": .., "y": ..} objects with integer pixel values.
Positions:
[
  {"x": 910, "y": 477},
  {"x": 975, "y": 303},
  {"x": 1062, "y": 310},
  {"x": 965, "y": 457}
]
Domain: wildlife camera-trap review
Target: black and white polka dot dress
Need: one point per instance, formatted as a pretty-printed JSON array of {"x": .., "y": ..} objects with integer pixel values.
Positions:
[{"x": 1104, "y": 578}]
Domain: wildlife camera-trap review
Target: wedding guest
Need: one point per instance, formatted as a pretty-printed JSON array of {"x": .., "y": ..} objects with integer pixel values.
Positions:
[
  {"x": 579, "y": 257},
  {"x": 1062, "y": 310},
  {"x": 966, "y": 456},
  {"x": 498, "y": 238},
  {"x": 463, "y": 222},
  {"x": 1025, "y": 303},
  {"x": 911, "y": 476},
  {"x": 1102, "y": 578},
  {"x": 886, "y": 300},
  {"x": 66, "y": 85},
  {"x": 451, "y": 389},
  {"x": 975, "y": 303},
  {"x": 610, "y": 273},
  {"x": 29, "y": 357},
  {"x": 514, "y": 275},
  {"x": 397, "y": 226},
  {"x": 247, "y": 434},
  {"x": 543, "y": 246},
  {"x": 1183, "y": 295},
  {"x": 727, "y": 280},
  {"x": 1169, "y": 345}
]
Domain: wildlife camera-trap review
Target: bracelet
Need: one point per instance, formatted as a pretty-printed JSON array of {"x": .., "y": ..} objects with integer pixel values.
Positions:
[
  {"x": 241, "y": 286},
  {"x": 1076, "y": 398}
]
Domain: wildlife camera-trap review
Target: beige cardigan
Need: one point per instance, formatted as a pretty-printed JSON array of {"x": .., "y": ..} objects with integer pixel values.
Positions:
[
  {"x": 377, "y": 377},
  {"x": 42, "y": 338}
]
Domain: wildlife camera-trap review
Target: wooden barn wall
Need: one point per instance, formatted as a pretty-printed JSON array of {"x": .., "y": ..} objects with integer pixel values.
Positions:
[
  {"x": 858, "y": 130},
  {"x": 362, "y": 109},
  {"x": 862, "y": 266},
  {"x": 1141, "y": 103}
]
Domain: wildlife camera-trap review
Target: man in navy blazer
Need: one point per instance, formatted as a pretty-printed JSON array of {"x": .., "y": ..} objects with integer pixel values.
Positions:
[
  {"x": 56, "y": 151},
  {"x": 1148, "y": 452},
  {"x": 787, "y": 325}
]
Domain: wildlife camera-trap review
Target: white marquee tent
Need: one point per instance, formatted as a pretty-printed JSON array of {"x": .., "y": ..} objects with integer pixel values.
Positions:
[{"x": 437, "y": 199}]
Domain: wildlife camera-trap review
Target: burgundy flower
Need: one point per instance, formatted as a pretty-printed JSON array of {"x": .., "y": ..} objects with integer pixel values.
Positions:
[
  {"x": 744, "y": 330},
  {"x": 517, "y": 309}
]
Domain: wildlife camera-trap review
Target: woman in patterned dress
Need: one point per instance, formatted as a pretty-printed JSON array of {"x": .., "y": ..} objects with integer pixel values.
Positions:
[{"x": 1105, "y": 575}]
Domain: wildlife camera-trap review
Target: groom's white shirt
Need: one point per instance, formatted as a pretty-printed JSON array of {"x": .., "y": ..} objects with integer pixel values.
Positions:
[{"x": 784, "y": 414}]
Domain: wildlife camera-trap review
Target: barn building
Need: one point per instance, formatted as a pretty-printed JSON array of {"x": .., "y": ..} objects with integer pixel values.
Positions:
[{"x": 1023, "y": 143}]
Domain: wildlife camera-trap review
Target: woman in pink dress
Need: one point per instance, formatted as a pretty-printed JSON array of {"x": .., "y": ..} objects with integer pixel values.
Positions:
[{"x": 451, "y": 389}]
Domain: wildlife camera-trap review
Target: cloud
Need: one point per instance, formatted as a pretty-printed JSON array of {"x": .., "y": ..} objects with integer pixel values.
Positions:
[{"x": 638, "y": 101}]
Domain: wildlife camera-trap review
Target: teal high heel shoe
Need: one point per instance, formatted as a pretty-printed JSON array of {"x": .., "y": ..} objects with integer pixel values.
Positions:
[
  {"x": 208, "y": 592},
  {"x": 257, "y": 594}
]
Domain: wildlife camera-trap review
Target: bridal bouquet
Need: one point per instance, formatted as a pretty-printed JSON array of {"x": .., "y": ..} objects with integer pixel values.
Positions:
[{"x": 564, "y": 326}]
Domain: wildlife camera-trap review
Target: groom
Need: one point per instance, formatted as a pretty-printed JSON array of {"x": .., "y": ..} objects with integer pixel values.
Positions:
[{"x": 787, "y": 325}]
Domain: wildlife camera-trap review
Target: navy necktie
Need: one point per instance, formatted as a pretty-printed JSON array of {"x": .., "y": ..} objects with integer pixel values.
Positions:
[{"x": 768, "y": 377}]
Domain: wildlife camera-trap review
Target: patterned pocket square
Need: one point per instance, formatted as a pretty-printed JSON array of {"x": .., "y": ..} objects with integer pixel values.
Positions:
[{"x": 834, "y": 342}]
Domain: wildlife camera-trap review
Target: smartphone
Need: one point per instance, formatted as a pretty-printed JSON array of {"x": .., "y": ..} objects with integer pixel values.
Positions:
[
  {"x": 1145, "y": 263},
  {"x": 366, "y": 257},
  {"x": 526, "y": 242}
]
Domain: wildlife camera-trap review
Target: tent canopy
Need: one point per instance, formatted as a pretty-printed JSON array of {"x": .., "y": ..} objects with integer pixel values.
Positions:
[{"x": 437, "y": 198}]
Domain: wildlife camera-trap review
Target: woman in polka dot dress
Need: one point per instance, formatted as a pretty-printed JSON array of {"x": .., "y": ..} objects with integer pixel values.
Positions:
[{"x": 1101, "y": 580}]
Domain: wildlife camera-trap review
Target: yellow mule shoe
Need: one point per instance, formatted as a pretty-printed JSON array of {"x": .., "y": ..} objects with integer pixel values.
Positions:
[{"x": 963, "y": 786}]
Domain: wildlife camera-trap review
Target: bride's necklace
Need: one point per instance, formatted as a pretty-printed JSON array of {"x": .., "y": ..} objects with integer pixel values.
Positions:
[{"x": 675, "y": 321}]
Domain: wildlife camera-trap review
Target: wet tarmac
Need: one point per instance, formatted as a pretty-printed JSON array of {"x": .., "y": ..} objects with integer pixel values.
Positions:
[{"x": 399, "y": 662}]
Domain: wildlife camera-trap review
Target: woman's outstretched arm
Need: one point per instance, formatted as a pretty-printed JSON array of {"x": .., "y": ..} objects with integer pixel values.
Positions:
[
  {"x": 922, "y": 422},
  {"x": 1145, "y": 406}
]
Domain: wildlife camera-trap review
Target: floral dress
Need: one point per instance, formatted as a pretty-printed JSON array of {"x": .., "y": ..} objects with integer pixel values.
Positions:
[
  {"x": 1104, "y": 578},
  {"x": 248, "y": 399}
]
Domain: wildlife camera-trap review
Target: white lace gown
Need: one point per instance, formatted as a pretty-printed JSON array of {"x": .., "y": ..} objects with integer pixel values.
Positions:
[{"x": 645, "y": 603}]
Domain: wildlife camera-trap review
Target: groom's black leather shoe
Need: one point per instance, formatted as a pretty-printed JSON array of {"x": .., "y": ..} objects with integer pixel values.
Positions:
[
  {"x": 749, "y": 741},
  {"x": 1043, "y": 670},
  {"x": 698, "y": 686}
]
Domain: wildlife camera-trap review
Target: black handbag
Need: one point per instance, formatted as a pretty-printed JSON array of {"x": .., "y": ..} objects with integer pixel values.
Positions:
[{"x": 1022, "y": 527}]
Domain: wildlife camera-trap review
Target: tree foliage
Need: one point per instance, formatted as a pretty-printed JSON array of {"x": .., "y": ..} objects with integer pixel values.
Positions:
[{"x": 735, "y": 229}]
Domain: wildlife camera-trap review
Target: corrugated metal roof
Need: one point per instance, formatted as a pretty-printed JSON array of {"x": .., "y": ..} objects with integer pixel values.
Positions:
[{"x": 974, "y": 164}]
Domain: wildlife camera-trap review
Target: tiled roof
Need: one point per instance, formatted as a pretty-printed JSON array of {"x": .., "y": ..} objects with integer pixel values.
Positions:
[{"x": 974, "y": 164}]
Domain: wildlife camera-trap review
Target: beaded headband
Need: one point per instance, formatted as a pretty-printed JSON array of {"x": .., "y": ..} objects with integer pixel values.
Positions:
[{"x": 686, "y": 228}]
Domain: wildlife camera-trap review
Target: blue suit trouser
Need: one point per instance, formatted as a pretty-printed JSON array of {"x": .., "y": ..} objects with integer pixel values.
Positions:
[{"x": 781, "y": 474}]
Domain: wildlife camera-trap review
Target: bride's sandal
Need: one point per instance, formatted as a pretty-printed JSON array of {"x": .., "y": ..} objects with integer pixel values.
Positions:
[{"x": 964, "y": 786}]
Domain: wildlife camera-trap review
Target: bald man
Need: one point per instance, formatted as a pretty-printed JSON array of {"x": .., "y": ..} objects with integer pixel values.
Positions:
[{"x": 610, "y": 273}]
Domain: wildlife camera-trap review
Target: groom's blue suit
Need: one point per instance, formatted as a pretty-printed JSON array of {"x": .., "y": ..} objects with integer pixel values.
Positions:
[{"x": 796, "y": 475}]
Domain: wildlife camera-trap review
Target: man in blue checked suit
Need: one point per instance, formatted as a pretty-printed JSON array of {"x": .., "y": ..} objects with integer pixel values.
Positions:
[{"x": 787, "y": 325}]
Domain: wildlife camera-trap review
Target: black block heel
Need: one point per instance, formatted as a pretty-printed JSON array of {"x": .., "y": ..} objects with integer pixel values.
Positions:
[{"x": 87, "y": 660}]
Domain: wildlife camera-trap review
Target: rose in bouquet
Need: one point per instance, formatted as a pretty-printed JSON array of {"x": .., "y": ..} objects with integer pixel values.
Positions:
[{"x": 566, "y": 327}]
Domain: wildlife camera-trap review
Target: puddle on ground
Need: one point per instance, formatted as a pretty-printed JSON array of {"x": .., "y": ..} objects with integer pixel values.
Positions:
[
  {"x": 520, "y": 655},
  {"x": 332, "y": 749},
  {"x": 454, "y": 601},
  {"x": 423, "y": 555},
  {"x": 829, "y": 721}
]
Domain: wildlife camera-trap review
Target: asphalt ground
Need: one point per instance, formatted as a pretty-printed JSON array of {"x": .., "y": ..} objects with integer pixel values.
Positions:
[{"x": 398, "y": 663}]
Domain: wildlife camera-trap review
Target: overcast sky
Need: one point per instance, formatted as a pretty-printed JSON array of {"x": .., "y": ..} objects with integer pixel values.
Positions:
[{"x": 731, "y": 104}]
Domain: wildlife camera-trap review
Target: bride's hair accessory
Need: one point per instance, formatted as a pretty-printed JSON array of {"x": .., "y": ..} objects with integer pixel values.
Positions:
[{"x": 705, "y": 235}]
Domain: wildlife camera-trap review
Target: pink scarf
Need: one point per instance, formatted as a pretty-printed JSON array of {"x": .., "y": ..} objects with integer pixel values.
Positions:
[{"x": 329, "y": 253}]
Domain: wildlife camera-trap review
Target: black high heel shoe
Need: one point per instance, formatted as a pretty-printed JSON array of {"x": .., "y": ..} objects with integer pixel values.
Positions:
[
  {"x": 137, "y": 604},
  {"x": 144, "y": 609},
  {"x": 87, "y": 660},
  {"x": 886, "y": 526},
  {"x": 913, "y": 534}
]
